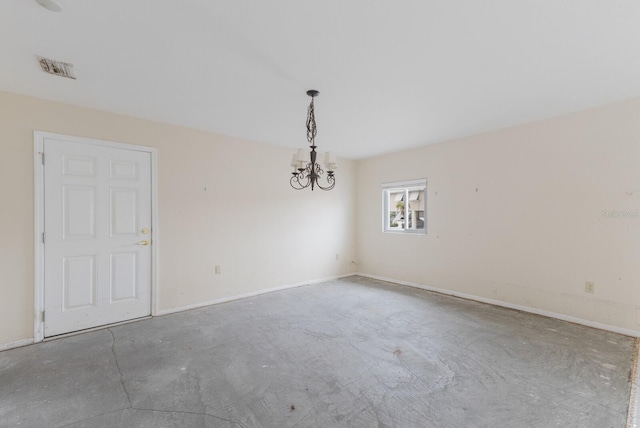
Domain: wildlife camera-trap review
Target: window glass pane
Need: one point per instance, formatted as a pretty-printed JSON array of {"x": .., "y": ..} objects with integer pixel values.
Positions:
[
  {"x": 416, "y": 209},
  {"x": 396, "y": 209}
]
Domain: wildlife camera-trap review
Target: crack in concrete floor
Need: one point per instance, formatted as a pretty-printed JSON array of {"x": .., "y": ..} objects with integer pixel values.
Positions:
[
  {"x": 132, "y": 407},
  {"x": 115, "y": 356}
]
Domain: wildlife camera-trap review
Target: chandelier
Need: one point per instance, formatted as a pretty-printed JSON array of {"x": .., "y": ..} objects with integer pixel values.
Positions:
[{"x": 306, "y": 171}]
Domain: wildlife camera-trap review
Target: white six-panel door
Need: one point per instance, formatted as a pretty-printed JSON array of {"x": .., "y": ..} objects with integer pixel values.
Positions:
[{"x": 97, "y": 224}]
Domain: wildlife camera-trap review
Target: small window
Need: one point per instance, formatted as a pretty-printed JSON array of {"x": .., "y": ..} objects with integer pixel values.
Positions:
[{"x": 405, "y": 207}]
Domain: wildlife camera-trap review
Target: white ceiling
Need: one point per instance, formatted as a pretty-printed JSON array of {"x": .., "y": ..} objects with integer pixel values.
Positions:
[{"x": 391, "y": 74}]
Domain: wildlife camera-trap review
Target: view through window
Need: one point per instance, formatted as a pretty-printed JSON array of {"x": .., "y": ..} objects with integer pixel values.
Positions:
[{"x": 405, "y": 206}]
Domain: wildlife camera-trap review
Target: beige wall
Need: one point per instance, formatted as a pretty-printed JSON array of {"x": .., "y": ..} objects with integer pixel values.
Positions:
[
  {"x": 249, "y": 221},
  {"x": 531, "y": 234},
  {"x": 534, "y": 230}
]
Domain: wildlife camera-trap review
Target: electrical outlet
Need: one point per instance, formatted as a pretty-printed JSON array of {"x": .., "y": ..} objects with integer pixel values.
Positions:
[
  {"x": 217, "y": 269},
  {"x": 589, "y": 287},
  {"x": 337, "y": 256}
]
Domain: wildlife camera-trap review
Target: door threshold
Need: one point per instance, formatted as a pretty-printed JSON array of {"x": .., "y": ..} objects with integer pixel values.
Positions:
[{"x": 100, "y": 327}]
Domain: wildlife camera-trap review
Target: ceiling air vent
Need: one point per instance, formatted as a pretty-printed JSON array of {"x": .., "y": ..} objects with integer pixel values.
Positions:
[{"x": 58, "y": 68}]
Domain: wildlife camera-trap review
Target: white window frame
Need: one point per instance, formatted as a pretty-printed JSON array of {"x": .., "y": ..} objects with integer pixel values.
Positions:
[{"x": 407, "y": 187}]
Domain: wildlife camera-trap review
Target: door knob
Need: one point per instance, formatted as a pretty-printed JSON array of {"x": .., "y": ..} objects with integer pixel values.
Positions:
[{"x": 143, "y": 243}]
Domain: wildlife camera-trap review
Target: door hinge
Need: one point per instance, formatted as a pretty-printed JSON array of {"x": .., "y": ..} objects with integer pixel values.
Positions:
[
  {"x": 42, "y": 158},
  {"x": 43, "y": 237},
  {"x": 42, "y": 316}
]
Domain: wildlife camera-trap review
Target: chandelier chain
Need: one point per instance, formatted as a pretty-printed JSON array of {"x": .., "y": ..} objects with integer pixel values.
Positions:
[{"x": 311, "y": 123}]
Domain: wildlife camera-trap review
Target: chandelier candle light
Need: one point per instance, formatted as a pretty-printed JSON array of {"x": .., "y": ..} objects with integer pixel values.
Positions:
[{"x": 306, "y": 171}]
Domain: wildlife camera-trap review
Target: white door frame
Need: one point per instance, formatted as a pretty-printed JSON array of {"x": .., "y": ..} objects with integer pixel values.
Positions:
[{"x": 38, "y": 168}]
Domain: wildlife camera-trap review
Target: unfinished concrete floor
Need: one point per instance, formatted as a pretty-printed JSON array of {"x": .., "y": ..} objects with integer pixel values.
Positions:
[{"x": 348, "y": 353}]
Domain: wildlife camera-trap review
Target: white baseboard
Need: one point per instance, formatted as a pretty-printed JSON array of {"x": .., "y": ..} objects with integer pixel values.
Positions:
[
  {"x": 251, "y": 294},
  {"x": 16, "y": 344},
  {"x": 563, "y": 317},
  {"x": 634, "y": 400}
]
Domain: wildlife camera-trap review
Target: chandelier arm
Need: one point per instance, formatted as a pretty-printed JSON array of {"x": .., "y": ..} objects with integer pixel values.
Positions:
[
  {"x": 295, "y": 182},
  {"x": 331, "y": 181}
]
